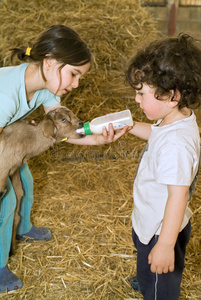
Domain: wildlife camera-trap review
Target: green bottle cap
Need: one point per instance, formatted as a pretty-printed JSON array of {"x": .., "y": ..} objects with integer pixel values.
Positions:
[{"x": 87, "y": 129}]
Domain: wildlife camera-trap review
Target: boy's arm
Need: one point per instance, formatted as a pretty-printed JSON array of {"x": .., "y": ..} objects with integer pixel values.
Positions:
[
  {"x": 161, "y": 257},
  {"x": 141, "y": 130}
]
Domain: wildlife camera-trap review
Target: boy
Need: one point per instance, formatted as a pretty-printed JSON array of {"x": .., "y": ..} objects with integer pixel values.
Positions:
[{"x": 167, "y": 78}]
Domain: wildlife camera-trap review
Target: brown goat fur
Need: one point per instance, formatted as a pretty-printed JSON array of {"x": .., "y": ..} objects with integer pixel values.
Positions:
[{"x": 21, "y": 141}]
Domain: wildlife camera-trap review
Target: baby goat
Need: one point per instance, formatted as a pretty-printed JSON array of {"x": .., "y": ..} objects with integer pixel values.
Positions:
[{"x": 21, "y": 141}]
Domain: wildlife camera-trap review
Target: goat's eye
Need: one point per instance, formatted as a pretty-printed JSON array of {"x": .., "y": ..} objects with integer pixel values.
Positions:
[{"x": 64, "y": 120}]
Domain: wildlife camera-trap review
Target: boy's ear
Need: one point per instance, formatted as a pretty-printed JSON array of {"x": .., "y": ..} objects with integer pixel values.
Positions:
[{"x": 174, "y": 99}]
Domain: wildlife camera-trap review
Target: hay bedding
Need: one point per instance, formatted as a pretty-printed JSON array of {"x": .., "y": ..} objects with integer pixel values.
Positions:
[{"x": 84, "y": 194}]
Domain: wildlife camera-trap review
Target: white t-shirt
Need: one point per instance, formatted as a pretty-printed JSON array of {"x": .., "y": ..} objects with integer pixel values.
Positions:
[
  {"x": 13, "y": 100},
  {"x": 171, "y": 157}
]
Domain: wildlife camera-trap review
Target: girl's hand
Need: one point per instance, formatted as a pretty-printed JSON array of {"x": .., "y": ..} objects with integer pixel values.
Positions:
[
  {"x": 111, "y": 135},
  {"x": 161, "y": 258},
  {"x": 31, "y": 122}
]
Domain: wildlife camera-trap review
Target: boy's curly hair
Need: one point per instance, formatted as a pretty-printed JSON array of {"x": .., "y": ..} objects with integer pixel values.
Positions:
[{"x": 169, "y": 65}]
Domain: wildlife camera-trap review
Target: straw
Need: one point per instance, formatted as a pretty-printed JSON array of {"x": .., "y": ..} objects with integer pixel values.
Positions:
[{"x": 84, "y": 193}]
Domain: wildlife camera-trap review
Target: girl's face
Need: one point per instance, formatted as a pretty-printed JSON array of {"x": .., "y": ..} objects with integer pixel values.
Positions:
[
  {"x": 61, "y": 81},
  {"x": 154, "y": 109}
]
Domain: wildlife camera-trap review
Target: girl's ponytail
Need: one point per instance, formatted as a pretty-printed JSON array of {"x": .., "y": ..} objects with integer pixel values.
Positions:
[{"x": 22, "y": 53}]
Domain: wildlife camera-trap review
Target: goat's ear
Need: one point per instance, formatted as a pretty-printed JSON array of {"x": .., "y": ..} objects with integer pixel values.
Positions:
[{"x": 48, "y": 128}]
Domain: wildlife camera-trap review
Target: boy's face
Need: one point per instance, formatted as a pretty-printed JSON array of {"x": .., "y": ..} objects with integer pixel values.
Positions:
[{"x": 154, "y": 109}]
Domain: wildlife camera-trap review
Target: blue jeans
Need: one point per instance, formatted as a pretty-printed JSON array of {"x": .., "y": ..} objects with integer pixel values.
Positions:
[
  {"x": 164, "y": 286},
  {"x": 7, "y": 208}
]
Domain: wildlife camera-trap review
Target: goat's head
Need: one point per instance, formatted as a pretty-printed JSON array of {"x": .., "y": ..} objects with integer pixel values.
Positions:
[{"x": 60, "y": 123}]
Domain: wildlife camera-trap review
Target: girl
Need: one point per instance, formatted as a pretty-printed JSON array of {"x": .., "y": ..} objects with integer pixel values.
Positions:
[{"x": 57, "y": 61}]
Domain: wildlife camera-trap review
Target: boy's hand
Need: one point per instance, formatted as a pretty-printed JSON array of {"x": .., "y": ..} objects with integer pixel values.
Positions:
[
  {"x": 111, "y": 135},
  {"x": 101, "y": 139},
  {"x": 161, "y": 258}
]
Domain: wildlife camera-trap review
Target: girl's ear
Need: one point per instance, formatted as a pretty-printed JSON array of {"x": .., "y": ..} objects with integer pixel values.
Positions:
[
  {"x": 174, "y": 99},
  {"x": 47, "y": 62}
]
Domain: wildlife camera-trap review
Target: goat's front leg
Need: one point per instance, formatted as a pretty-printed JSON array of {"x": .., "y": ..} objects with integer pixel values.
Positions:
[
  {"x": 17, "y": 185},
  {"x": 3, "y": 185}
]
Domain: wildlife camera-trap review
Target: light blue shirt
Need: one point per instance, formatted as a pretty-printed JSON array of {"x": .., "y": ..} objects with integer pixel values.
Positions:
[{"x": 13, "y": 100}]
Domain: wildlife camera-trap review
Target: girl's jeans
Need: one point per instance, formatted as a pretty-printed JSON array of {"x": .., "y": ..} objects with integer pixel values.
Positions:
[
  {"x": 164, "y": 286},
  {"x": 7, "y": 208}
]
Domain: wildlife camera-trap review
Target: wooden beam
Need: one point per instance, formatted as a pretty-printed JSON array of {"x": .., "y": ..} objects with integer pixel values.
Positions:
[{"x": 172, "y": 20}]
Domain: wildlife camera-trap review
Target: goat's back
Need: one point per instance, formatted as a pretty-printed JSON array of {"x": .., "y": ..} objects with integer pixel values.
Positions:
[{"x": 19, "y": 142}]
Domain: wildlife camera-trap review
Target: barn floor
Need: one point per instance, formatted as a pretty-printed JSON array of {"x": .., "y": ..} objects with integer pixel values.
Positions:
[
  {"x": 87, "y": 203},
  {"x": 82, "y": 193}
]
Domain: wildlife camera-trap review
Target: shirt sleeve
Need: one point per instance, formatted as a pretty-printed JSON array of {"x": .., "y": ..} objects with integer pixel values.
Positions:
[
  {"x": 175, "y": 165},
  {"x": 51, "y": 100},
  {"x": 7, "y": 110}
]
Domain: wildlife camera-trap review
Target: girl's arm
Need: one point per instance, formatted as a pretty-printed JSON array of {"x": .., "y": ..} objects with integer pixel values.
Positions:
[
  {"x": 47, "y": 109},
  {"x": 96, "y": 139},
  {"x": 141, "y": 130},
  {"x": 161, "y": 257}
]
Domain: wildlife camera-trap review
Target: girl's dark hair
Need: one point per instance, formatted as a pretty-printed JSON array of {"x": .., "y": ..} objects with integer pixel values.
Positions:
[
  {"x": 169, "y": 64},
  {"x": 59, "y": 42}
]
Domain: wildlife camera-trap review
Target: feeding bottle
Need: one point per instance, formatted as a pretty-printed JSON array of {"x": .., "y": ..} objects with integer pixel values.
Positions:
[{"x": 118, "y": 120}]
